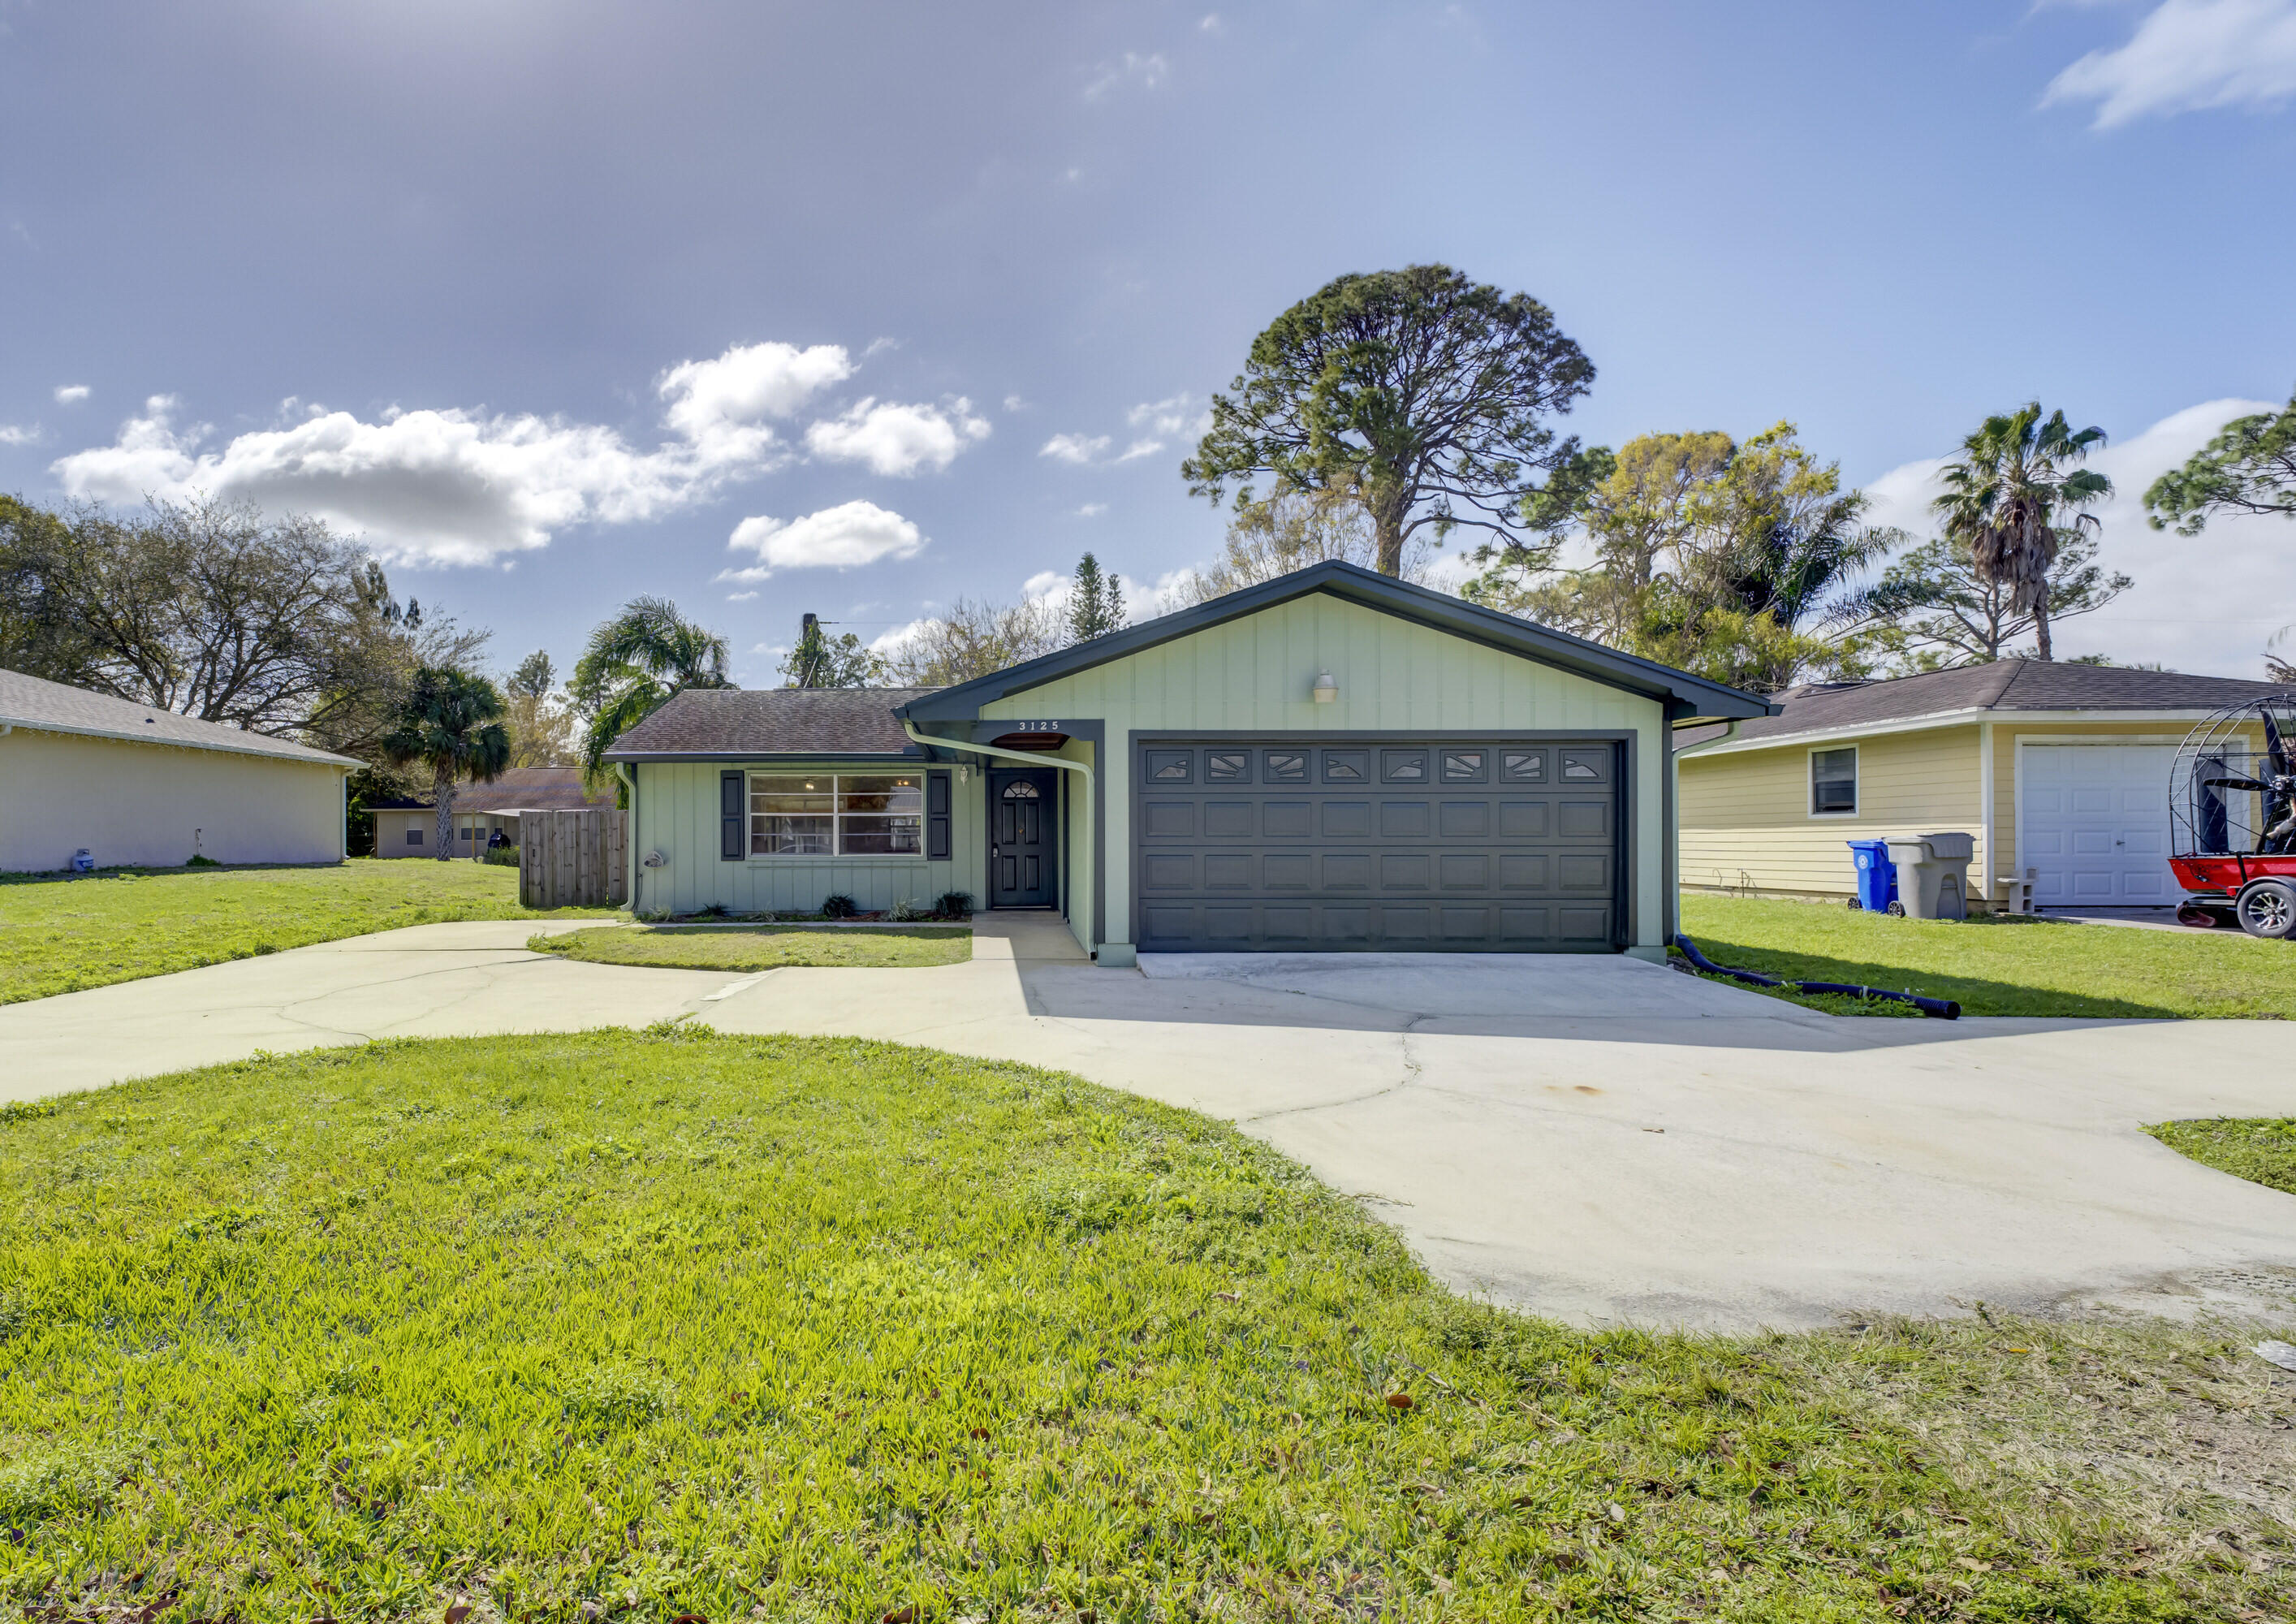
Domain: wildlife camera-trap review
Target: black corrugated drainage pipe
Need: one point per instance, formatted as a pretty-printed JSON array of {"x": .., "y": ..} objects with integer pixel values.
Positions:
[{"x": 1941, "y": 1009}]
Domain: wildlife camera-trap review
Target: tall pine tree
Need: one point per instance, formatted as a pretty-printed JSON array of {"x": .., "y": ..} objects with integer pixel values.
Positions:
[{"x": 1097, "y": 603}]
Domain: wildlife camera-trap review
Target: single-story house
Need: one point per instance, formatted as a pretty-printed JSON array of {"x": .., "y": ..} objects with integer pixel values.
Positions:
[
  {"x": 409, "y": 827},
  {"x": 2062, "y": 769},
  {"x": 1331, "y": 761},
  {"x": 137, "y": 786}
]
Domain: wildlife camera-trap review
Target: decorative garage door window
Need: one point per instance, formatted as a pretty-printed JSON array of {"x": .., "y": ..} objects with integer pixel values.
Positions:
[
  {"x": 843, "y": 815},
  {"x": 1277, "y": 845}
]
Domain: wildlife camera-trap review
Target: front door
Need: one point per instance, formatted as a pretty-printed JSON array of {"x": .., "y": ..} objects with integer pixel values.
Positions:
[{"x": 1020, "y": 838}]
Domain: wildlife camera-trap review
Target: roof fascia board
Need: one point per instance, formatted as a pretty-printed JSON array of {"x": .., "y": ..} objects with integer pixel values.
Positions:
[
  {"x": 1942, "y": 719},
  {"x": 1439, "y": 610},
  {"x": 307, "y": 757},
  {"x": 786, "y": 757}
]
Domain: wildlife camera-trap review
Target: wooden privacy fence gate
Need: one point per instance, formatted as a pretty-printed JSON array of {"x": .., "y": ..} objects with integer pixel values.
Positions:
[{"x": 573, "y": 859}]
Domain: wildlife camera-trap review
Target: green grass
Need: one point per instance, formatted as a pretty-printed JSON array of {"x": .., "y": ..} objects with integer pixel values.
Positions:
[
  {"x": 765, "y": 947},
  {"x": 645, "y": 1324},
  {"x": 57, "y": 934},
  {"x": 1998, "y": 966},
  {"x": 2260, "y": 1149}
]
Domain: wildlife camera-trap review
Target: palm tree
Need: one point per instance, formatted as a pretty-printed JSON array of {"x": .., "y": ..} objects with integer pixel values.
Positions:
[
  {"x": 450, "y": 722},
  {"x": 2016, "y": 486},
  {"x": 632, "y": 665}
]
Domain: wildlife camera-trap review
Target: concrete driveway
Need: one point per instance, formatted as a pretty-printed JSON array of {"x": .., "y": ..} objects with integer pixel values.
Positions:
[{"x": 1599, "y": 1140}]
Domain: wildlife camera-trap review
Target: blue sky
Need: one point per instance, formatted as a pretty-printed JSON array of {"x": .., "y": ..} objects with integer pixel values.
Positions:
[{"x": 855, "y": 308}]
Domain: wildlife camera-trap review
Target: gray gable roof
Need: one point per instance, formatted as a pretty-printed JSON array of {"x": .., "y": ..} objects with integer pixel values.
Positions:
[
  {"x": 42, "y": 706},
  {"x": 1695, "y": 695},
  {"x": 726, "y": 723},
  {"x": 2004, "y": 684},
  {"x": 520, "y": 789}
]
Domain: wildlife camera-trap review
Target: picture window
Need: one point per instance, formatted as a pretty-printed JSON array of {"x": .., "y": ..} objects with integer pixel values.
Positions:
[
  {"x": 847, "y": 814},
  {"x": 1523, "y": 765},
  {"x": 1463, "y": 766},
  {"x": 1283, "y": 768}
]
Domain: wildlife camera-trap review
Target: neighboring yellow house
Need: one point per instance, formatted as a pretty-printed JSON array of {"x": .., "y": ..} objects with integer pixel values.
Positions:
[
  {"x": 2059, "y": 769},
  {"x": 138, "y": 786},
  {"x": 410, "y": 828}
]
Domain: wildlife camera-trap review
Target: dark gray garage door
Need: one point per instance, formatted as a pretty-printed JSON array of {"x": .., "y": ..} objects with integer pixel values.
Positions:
[{"x": 1268, "y": 845}]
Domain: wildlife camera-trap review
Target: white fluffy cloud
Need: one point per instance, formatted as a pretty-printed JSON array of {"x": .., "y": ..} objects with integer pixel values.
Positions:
[
  {"x": 458, "y": 486},
  {"x": 1146, "y": 70},
  {"x": 434, "y": 487},
  {"x": 1163, "y": 419},
  {"x": 2179, "y": 612},
  {"x": 1077, "y": 449},
  {"x": 2189, "y": 54},
  {"x": 15, "y": 434},
  {"x": 722, "y": 402},
  {"x": 893, "y": 642},
  {"x": 1180, "y": 414},
  {"x": 895, "y": 440},
  {"x": 71, "y": 394},
  {"x": 839, "y": 537}
]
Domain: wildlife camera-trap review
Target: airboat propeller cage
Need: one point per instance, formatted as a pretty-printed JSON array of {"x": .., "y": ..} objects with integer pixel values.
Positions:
[{"x": 2233, "y": 786}]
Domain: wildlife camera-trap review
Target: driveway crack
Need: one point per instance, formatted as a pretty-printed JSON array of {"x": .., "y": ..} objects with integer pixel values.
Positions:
[{"x": 1411, "y": 1068}]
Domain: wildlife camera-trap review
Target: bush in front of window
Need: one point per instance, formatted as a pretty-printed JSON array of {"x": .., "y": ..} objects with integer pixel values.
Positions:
[
  {"x": 954, "y": 905},
  {"x": 837, "y": 905},
  {"x": 906, "y": 912}
]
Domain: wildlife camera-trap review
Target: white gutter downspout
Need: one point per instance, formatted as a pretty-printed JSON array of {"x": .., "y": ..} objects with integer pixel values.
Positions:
[
  {"x": 1034, "y": 758},
  {"x": 631, "y": 868},
  {"x": 1986, "y": 876}
]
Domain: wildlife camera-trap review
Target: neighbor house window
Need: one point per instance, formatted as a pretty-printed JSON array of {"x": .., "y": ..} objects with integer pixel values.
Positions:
[
  {"x": 1833, "y": 783},
  {"x": 846, "y": 814},
  {"x": 414, "y": 837}
]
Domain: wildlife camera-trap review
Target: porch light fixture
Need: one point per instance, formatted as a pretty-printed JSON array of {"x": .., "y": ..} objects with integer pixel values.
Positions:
[{"x": 1327, "y": 688}]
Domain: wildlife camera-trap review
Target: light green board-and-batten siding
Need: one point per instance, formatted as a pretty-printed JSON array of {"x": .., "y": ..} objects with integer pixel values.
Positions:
[
  {"x": 678, "y": 816},
  {"x": 1256, "y": 675}
]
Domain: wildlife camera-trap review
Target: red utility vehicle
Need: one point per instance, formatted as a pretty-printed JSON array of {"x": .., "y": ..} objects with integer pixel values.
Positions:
[{"x": 2232, "y": 811}]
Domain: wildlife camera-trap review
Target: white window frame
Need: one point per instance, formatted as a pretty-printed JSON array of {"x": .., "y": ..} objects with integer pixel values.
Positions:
[
  {"x": 1809, "y": 781},
  {"x": 836, "y": 815}
]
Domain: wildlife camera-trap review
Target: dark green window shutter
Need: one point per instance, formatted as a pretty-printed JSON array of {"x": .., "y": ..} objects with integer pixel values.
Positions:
[
  {"x": 937, "y": 847},
  {"x": 731, "y": 815}
]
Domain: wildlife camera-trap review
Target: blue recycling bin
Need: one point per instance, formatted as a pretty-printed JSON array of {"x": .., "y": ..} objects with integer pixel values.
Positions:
[{"x": 1877, "y": 876}]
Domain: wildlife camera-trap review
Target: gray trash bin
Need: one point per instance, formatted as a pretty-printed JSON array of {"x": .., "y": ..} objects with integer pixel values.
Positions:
[{"x": 1933, "y": 874}]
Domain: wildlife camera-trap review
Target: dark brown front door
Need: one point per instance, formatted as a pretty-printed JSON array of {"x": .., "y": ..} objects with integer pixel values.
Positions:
[{"x": 1019, "y": 838}]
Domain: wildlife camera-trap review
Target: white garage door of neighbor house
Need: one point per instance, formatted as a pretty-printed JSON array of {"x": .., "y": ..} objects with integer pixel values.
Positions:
[{"x": 2093, "y": 824}]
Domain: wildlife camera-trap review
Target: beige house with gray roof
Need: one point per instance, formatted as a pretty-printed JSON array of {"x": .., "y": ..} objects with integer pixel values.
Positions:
[
  {"x": 2058, "y": 769},
  {"x": 135, "y": 786}
]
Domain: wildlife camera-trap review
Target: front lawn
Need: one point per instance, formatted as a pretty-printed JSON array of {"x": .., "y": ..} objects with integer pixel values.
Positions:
[
  {"x": 59, "y": 933},
  {"x": 1998, "y": 966},
  {"x": 2260, "y": 1149},
  {"x": 765, "y": 948},
  {"x": 642, "y": 1325}
]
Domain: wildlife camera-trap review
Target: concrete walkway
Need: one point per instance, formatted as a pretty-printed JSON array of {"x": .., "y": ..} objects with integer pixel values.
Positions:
[{"x": 1597, "y": 1139}]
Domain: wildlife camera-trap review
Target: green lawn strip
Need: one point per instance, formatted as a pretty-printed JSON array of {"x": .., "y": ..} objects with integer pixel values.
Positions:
[
  {"x": 2000, "y": 967},
  {"x": 641, "y": 1324},
  {"x": 57, "y": 934},
  {"x": 2259, "y": 1149},
  {"x": 765, "y": 948}
]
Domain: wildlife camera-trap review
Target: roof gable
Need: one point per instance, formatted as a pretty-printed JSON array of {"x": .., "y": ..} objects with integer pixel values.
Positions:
[{"x": 1387, "y": 595}]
